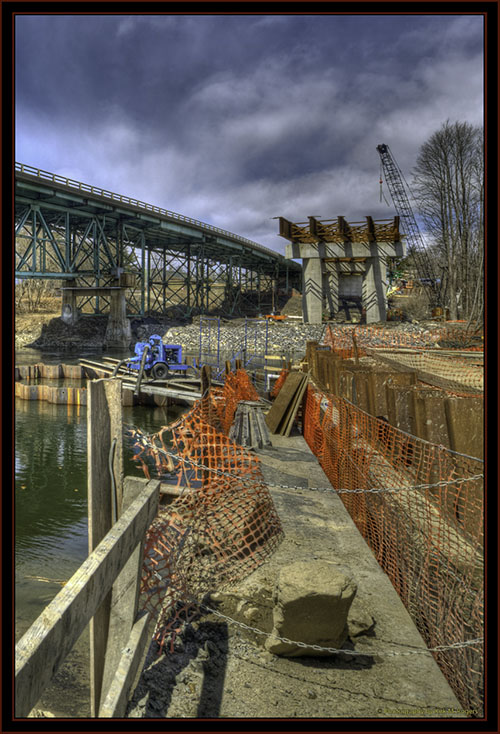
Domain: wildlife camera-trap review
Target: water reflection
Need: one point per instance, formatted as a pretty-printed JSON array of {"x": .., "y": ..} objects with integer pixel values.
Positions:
[
  {"x": 50, "y": 486},
  {"x": 51, "y": 490}
]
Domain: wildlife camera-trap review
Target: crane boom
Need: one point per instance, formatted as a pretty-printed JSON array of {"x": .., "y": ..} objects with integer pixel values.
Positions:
[{"x": 415, "y": 243}]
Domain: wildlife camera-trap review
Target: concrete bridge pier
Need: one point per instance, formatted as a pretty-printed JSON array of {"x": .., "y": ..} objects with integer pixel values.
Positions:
[
  {"x": 331, "y": 287},
  {"x": 343, "y": 261},
  {"x": 118, "y": 330},
  {"x": 312, "y": 290},
  {"x": 374, "y": 288},
  {"x": 69, "y": 310}
]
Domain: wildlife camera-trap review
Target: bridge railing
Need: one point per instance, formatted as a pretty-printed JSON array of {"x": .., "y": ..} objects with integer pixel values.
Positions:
[{"x": 71, "y": 183}]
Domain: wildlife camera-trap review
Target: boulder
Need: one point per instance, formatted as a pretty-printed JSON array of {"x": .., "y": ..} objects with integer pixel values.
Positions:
[
  {"x": 312, "y": 601},
  {"x": 359, "y": 621},
  {"x": 306, "y": 601}
]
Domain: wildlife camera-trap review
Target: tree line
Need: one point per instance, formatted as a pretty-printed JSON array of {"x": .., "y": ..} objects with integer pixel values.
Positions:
[{"x": 448, "y": 185}]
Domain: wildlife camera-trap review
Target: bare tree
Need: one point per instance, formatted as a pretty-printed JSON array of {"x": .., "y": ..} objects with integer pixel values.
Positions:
[{"x": 449, "y": 189}]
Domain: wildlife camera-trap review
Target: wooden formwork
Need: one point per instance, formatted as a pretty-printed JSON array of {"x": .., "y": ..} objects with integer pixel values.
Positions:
[{"x": 398, "y": 396}]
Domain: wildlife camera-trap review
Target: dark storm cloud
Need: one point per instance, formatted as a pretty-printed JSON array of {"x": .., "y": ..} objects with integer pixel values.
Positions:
[{"x": 236, "y": 119}]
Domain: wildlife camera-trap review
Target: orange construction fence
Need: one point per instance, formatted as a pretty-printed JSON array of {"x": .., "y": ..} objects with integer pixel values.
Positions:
[
  {"x": 223, "y": 525},
  {"x": 419, "y": 506}
]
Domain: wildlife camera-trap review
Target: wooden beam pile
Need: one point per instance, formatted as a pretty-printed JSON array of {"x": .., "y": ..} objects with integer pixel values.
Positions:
[
  {"x": 249, "y": 428},
  {"x": 284, "y": 410}
]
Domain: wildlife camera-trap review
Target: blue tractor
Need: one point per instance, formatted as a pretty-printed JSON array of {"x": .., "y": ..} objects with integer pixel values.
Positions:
[{"x": 156, "y": 358}]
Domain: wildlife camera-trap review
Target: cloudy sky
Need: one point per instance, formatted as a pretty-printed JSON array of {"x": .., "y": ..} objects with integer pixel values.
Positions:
[{"x": 236, "y": 119}]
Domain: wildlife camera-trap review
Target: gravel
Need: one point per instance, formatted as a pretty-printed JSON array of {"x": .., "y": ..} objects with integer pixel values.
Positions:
[{"x": 281, "y": 338}]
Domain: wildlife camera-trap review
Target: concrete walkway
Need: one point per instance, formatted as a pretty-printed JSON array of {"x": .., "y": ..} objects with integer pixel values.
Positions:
[
  {"x": 317, "y": 525},
  {"x": 220, "y": 673}
]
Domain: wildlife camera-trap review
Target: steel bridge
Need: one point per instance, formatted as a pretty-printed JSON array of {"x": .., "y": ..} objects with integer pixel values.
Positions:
[{"x": 95, "y": 241}]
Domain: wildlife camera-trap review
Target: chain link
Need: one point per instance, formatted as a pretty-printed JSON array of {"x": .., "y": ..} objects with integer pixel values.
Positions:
[
  {"x": 372, "y": 490},
  {"x": 319, "y": 648}
]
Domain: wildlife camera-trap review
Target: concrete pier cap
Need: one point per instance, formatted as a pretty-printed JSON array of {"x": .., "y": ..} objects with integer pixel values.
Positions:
[{"x": 337, "y": 257}]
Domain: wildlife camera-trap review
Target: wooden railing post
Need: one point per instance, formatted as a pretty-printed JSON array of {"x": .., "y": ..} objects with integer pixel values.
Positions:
[
  {"x": 104, "y": 449},
  {"x": 44, "y": 647}
]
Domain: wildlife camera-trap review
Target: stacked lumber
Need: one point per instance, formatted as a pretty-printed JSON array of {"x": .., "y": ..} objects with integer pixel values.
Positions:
[
  {"x": 249, "y": 428},
  {"x": 284, "y": 410}
]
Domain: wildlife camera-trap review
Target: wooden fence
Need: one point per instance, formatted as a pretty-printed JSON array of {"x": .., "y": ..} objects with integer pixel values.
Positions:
[{"x": 105, "y": 589}]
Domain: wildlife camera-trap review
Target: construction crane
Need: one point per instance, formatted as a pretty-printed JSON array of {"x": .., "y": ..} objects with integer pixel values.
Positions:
[{"x": 415, "y": 243}]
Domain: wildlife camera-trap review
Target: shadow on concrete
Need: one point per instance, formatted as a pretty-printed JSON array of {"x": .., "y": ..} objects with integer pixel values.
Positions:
[
  {"x": 214, "y": 669},
  {"x": 198, "y": 650}
]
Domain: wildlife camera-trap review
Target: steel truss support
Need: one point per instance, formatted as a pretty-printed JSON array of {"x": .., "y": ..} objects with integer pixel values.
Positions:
[{"x": 178, "y": 276}]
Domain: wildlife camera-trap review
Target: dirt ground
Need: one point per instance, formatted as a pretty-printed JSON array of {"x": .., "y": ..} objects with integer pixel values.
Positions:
[{"x": 28, "y": 326}]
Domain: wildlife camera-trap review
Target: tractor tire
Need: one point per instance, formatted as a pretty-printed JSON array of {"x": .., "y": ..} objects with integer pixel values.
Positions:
[{"x": 160, "y": 371}]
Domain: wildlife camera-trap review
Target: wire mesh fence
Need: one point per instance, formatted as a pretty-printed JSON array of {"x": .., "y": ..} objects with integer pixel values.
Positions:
[
  {"x": 340, "y": 338},
  {"x": 429, "y": 541},
  {"x": 223, "y": 525}
]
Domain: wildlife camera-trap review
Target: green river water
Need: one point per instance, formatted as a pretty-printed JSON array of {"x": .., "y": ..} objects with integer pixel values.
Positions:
[{"x": 50, "y": 487}]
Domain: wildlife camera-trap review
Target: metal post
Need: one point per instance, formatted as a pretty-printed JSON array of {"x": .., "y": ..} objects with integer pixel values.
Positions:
[
  {"x": 218, "y": 341},
  {"x": 148, "y": 284},
  {"x": 67, "y": 242},
  {"x": 164, "y": 281},
  {"x": 188, "y": 278},
  {"x": 34, "y": 226}
]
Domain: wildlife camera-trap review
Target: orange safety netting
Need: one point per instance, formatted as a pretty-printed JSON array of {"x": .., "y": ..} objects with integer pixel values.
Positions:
[
  {"x": 428, "y": 539},
  {"x": 279, "y": 382},
  {"x": 223, "y": 525}
]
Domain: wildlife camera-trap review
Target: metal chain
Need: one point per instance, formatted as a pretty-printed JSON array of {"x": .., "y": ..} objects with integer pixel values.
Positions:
[
  {"x": 319, "y": 648},
  {"x": 373, "y": 490}
]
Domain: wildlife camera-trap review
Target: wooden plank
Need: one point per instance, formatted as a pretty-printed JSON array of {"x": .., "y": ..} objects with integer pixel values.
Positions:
[
  {"x": 42, "y": 649},
  {"x": 286, "y": 414},
  {"x": 124, "y": 596},
  {"x": 295, "y": 407},
  {"x": 288, "y": 418},
  {"x": 104, "y": 431},
  {"x": 283, "y": 399},
  {"x": 115, "y": 702}
]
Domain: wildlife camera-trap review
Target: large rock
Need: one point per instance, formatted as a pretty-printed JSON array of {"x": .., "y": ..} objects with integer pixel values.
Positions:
[
  {"x": 306, "y": 601},
  {"x": 312, "y": 600}
]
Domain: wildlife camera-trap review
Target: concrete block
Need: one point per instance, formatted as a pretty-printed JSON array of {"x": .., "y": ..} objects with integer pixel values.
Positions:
[{"x": 312, "y": 601}]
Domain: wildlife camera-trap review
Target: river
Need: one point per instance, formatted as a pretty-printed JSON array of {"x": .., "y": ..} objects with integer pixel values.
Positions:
[{"x": 50, "y": 487}]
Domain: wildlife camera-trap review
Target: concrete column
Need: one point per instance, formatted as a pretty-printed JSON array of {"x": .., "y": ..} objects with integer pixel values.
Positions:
[
  {"x": 312, "y": 293},
  {"x": 332, "y": 288},
  {"x": 374, "y": 290},
  {"x": 118, "y": 331},
  {"x": 69, "y": 311}
]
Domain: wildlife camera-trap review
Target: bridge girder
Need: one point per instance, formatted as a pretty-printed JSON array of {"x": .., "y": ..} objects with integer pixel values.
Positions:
[{"x": 90, "y": 242}]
